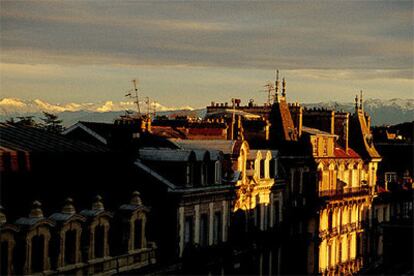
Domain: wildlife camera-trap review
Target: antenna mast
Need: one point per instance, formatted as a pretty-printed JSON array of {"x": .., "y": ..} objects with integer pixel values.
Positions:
[
  {"x": 154, "y": 104},
  {"x": 147, "y": 101},
  {"x": 269, "y": 88},
  {"x": 135, "y": 97}
]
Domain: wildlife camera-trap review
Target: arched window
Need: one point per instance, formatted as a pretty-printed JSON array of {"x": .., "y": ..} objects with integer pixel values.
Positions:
[
  {"x": 217, "y": 224},
  {"x": 330, "y": 220},
  {"x": 204, "y": 230},
  {"x": 4, "y": 255},
  {"x": 272, "y": 168},
  {"x": 217, "y": 172},
  {"x": 262, "y": 168},
  {"x": 38, "y": 249},
  {"x": 70, "y": 247},
  {"x": 188, "y": 230},
  {"x": 138, "y": 234},
  {"x": 99, "y": 241},
  {"x": 189, "y": 174},
  {"x": 204, "y": 173}
]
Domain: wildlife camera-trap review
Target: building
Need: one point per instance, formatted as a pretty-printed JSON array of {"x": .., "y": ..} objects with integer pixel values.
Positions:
[
  {"x": 54, "y": 239},
  {"x": 331, "y": 163},
  {"x": 89, "y": 242}
]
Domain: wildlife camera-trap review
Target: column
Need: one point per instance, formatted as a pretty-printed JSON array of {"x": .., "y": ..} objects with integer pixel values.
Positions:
[
  {"x": 197, "y": 223},
  {"x": 181, "y": 230}
]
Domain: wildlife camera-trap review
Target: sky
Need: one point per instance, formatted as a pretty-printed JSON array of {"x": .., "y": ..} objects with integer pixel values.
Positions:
[{"x": 189, "y": 53}]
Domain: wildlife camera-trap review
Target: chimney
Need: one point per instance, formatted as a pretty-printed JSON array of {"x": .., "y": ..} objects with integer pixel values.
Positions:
[{"x": 342, "y": 128}]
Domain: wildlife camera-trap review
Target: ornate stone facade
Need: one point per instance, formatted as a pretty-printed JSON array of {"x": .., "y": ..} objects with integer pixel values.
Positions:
[{"x": 72, "y": 243}]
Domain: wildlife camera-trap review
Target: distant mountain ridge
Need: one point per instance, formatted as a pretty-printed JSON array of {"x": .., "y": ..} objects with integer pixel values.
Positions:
[{"x": 382, "y": 112}]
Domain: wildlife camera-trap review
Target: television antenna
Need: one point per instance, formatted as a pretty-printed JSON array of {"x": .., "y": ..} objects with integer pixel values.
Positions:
[
  {"x": 269, "y": 89},
  {"x": 133, "y": 94}
]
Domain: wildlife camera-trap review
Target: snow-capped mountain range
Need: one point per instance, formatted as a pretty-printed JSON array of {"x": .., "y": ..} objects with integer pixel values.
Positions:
[{"x": 382, "y": 111}]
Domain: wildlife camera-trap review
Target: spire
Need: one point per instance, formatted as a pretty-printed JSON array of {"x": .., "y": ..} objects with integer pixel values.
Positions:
[
  {"x": 283, "y": 87},
  {"x": 277, "y": 83},
  {"x": 360, "y": 100}
]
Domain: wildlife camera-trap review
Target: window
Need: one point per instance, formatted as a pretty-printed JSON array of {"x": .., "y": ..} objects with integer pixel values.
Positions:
[
  {"x": 339, "y": 252},
  {"x": 4, "y": 255},
  {"x": 99, "y": 241},
  {"x": 330, "y": 215},
  {"x": 38, "y": 247},
  {"x": 272, "y": 167},
  {"x": 188, "y": 230},
  {"x": 204, "y": 230},
  {"x": 70, "y": 247},
  {"x": 217, "y": 172},
  {"x": 217, "y": 228},
  {"x": 138, "y": 234},
  {"x": 262, "y": 168},
  {"x": 204, "y": 174},
  {"x": 390, "y": 177},
  {"x": 329, "y": 255},
  {"x": 189, "y": 169}
]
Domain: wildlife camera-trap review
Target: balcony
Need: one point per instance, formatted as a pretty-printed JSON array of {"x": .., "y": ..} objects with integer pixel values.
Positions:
[
  {"x": 344, "y": 193},
  {"x": 344, "y": 268}
]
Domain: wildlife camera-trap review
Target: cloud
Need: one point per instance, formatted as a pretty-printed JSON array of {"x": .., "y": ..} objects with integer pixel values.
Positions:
[{"x": 264, "y": 35}]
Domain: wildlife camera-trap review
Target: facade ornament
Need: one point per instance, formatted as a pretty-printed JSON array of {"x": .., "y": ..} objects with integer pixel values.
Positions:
[
  {"x": 36, "y": 211},
  {"x": 98, "y": 205},
  {"x": 136, "y": 199},
  {"x": 68, "y": 208}
]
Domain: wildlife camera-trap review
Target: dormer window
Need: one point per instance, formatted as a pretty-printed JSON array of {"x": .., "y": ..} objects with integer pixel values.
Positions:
[
  {"x": 188, "y": 174},
  {"x": 204, "y": 173},
  {"x": 217, "y": 172},
  {"x": 262, "y": 168}
]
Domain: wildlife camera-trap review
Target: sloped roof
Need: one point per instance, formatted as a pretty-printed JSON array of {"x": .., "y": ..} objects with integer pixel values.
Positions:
[
  {"x": 360, "y": 136},
  {"x": 283, "y": 128},
  {"x": 34, "y": 139},
  {"x": 341, "y": 153},
  {"x": 157, "y": 154},
  {"x": 315, "y": 131},
  {"x": 228, "y": 113},
  {"x": 167, "y": 132},
  {"x": 103, "y": 129},
  {"x": 225, "y": 146}
]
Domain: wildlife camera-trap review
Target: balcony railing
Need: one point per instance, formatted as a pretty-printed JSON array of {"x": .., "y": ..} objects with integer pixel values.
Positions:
[
  {"x": 342, "y": 229},
  {"x": 345, "y": 192},
  {"x": 344, "y": 268}
]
